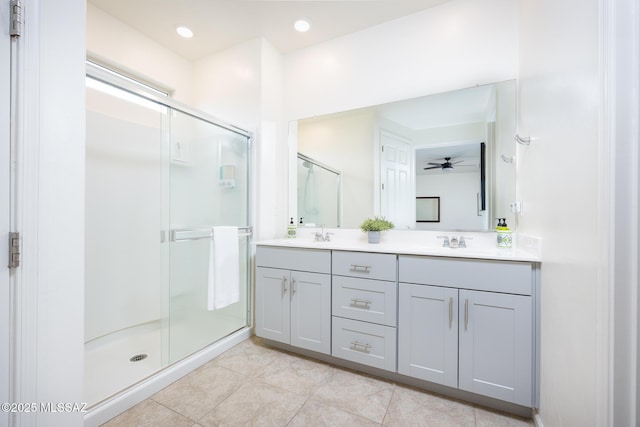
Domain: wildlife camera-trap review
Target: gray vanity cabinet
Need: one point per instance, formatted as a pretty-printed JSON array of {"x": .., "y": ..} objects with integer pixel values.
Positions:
[
  {"x": 468, "y": 324},
  {"x": 293, "y": 297}
]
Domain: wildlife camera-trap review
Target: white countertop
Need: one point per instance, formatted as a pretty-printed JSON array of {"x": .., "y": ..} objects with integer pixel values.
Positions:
[{"x": 409, "y": 242}]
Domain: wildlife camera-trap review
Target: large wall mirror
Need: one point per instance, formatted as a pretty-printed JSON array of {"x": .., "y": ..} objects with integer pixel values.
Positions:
[{"x": 456, "y": 146}]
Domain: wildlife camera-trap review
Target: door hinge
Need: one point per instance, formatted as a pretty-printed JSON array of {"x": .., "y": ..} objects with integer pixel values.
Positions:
[
  {"x": 14, "y": 250},
  {"x": 16, "y": 18}
]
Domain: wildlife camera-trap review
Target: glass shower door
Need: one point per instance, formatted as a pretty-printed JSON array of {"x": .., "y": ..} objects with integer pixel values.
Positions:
[{"x": 208, "y": 180}]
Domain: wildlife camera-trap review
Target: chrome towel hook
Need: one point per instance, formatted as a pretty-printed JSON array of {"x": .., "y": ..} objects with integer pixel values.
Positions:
[{"x": 523, "y": 141}]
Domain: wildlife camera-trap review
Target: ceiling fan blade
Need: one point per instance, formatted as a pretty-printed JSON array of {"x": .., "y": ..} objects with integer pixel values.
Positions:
[
  {"x": 433, "y": 167},
  {"x": 433, "y": 163},
  {"x": 455, "y": 163}
]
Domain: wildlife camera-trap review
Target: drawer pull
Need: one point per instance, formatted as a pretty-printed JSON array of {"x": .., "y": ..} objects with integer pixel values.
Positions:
[
  {"x": 284, "y": 285},
  {"x": 358, "y": 301},
  {"x": 360, "y": 268},
  {"x": 358, "y": 346},
  {"x": 293, "y": 286}
]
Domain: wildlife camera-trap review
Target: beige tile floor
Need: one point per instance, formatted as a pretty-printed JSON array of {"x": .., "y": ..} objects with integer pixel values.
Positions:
[{"x": 255, "y": 385}]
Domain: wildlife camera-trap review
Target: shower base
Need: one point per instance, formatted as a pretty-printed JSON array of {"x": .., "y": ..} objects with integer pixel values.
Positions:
[
  {"x": 107, "y": 365},
  {"x": 108, "y": 408},
  {"x": 123, "y": 358}
]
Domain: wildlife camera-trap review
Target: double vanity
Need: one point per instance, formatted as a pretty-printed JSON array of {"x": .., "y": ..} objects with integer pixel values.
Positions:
[{"x": 461, "y": 322}]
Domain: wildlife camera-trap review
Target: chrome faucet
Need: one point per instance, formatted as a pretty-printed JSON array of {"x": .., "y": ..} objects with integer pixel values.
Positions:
[
  {"x": 445, "y": 244},
  {"x": 322, "y": 236},
  {"x": 454, "y": 242}
]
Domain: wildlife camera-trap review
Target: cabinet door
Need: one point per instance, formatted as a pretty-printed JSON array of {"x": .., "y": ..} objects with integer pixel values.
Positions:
[
  {"x": 311, "y": 311},
  {"x": 496, "y": 345},
  {"x": 428, "y": 333},
  {"x": 272, "y": 304}
]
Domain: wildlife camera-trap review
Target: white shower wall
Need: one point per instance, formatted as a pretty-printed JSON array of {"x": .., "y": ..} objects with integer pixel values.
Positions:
[{"x": 123, "y": 201}]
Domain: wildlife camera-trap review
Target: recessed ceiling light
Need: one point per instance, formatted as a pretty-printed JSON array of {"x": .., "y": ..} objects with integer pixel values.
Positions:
[
  {"x": 302, "y": 25},
  {"x": 184, "y": 32}
]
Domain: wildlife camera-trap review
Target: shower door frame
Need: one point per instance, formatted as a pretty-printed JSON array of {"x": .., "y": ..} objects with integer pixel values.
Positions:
[
  {"x": 104, "y": 74},
  {"x": 313, "y": 161}
]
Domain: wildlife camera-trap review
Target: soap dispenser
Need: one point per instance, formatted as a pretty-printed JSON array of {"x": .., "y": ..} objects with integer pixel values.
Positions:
[
  {"x": 504, "y": 237},
  {"x": 291, "y": 230}
]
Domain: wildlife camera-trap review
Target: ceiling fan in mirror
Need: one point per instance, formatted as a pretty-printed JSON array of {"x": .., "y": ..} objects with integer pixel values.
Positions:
[{"x": 446, "y": 166}]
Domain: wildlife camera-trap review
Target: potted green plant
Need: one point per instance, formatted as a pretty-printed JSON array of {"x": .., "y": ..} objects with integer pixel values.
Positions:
[{"x": 373, "y": 227}]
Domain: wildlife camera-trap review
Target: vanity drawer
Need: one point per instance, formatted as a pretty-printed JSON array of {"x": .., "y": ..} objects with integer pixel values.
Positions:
[
  {"x": 314, "y": 260},
  {"x": 484, "y": 275},
  {"x": 363, "y": 299},
  {"x": 365, "y": 343},
  {"x": 364, "y": 264}
]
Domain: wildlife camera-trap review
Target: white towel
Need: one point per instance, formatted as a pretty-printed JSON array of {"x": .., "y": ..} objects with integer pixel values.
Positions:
[{"x": 223, "y": 287}]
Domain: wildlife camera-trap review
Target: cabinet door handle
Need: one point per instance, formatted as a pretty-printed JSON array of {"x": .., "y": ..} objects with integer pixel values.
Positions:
[
  {"x": 360, "y": 268},
  {"x": 357, "y": 301},
  {"x": 466, "y": 313},
  {"x": 450, "y": 312},
  {"x": 293, "y": 286},
  {"x": 284, "y": 285},
  {"x": 358, "y": 346}
]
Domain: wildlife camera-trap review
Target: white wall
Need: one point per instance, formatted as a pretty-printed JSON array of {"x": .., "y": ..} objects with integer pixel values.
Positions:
[
  {"x": 123, "y": 211},
  {"x": 51, "y": 170},
  {"x": 458, "y": 200},
  {"x": 559, "y": 106},
  {"x": 452, "y": 46},
  {"x": 229, "y": 84},
  {"x": 243, "y": 85}
]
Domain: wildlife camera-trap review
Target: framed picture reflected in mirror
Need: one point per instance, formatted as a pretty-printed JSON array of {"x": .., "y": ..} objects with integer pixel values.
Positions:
[{"x": 428, "y": 209}]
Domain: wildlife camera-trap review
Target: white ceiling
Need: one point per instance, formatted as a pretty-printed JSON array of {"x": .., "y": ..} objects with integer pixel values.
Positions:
[{"x": 220, "y": 24}]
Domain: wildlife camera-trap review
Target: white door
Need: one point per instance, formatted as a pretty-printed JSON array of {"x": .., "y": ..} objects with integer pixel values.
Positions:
[
  {"x": 272, "y": 304},
  {"x": 396, "y": 180},
  {"x": 496, "y": 345},
  {"x": 311, "y": 311},
  {"x": 428, "y": 333},
  {"x": 5, "y": 291}
]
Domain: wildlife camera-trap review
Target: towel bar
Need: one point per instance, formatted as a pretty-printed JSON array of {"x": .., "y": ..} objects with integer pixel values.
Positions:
[{"x": 174, "y": 233}]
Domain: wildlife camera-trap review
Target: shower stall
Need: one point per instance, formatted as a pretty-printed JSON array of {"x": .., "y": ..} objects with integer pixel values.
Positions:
[{"x": 160, "y": 177}]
